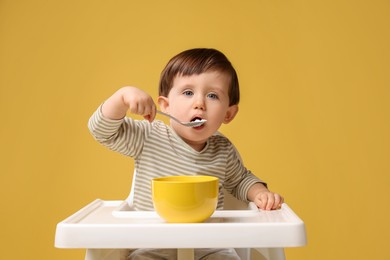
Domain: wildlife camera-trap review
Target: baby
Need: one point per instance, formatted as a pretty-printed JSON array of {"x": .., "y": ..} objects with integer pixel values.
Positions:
[{"x": 195, "y": 84}]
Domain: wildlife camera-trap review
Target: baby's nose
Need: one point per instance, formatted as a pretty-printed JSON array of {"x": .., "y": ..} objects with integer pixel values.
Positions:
[{"x": 199, "y": 103}]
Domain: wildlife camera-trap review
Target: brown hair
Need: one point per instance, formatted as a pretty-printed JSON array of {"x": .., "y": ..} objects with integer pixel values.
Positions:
[{"x": 197, "y": 61}]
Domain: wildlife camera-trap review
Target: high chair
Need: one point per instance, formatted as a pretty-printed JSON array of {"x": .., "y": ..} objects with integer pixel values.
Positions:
[{"x": 107, "y": 228}]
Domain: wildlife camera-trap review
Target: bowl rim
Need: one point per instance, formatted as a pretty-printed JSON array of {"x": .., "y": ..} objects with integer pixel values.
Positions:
[{"x": 185, "y": 179}]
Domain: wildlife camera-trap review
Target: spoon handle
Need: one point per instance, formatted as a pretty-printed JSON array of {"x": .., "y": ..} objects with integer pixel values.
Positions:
[{"x": 168, "y": 115}]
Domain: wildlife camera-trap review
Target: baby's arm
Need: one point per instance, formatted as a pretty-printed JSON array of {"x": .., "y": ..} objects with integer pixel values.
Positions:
[
  {"x": 129, "y": 99},
  {"x": 263, "y": 198}
]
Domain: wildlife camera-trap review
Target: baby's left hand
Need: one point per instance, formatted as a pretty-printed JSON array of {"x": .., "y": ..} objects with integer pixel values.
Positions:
[{"x": 267, "y": 200}]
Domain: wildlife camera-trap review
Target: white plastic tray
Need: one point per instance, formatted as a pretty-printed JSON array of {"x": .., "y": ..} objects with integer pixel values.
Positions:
[{"x": 111, "y": 224}]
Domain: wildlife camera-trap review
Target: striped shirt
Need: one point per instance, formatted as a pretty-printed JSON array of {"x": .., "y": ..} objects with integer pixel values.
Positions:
[{"x": 158, "y": 151}]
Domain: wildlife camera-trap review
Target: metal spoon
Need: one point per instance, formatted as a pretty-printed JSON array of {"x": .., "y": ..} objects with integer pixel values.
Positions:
[{"x": 189, "y": 124}]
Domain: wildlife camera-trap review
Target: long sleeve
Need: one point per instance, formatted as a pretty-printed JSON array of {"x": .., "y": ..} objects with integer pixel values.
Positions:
[
  {"x": 125, "y": 136},
  {"x": 238, "y": 178}
]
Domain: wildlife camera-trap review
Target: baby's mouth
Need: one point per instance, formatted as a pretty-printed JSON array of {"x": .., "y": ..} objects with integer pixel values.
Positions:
[
  {"x": 196, "y": 119},
  {"x": 198, "y": 122}
]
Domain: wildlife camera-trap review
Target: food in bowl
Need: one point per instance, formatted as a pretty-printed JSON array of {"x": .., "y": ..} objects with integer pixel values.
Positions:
[{"x": 185, "y": 199}]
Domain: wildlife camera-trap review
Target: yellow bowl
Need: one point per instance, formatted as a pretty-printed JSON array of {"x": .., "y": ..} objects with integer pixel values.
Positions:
[{"x": 185, "y": 199}]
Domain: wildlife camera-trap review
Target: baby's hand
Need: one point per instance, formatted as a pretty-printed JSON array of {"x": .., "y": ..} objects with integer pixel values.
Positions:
[
  {"x": 139, "y": 103},
  {"x": 263, "y": 198},
  {"x": 268, "y": 200},
  {"x": 129, "y": 99}
]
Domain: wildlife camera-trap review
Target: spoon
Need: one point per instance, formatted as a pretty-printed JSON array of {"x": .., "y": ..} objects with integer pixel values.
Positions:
[{"x": 197, "y": 122}]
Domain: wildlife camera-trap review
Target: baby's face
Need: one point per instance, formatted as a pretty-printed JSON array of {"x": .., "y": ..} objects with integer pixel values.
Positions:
[{"x": 203, "y": 96}]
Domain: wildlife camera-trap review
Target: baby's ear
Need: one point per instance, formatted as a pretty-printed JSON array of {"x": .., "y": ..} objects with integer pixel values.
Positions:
[
  {"x": 230, "y": 114},
  {"x": 163, "y": 103}
]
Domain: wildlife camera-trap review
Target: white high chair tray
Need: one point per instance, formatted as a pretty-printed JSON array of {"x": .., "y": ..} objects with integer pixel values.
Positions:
[{"x": 111, "y": 224}]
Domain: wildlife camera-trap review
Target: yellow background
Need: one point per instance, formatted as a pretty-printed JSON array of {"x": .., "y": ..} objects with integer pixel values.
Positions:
[{"x": 313, "y": 120}]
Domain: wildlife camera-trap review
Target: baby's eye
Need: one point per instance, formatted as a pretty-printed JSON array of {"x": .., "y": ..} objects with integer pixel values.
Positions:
[
  {"x": 212, "y": 96},
  {"x": 188, "y": 93}
]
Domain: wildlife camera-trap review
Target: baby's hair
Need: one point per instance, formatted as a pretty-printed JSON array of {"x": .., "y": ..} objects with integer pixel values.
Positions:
[{"x": 197, "y": 61}]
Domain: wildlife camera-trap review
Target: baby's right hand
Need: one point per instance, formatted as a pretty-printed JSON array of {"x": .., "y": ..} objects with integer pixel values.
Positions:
[
  {"x": 131, "y": 99},
  {"x": 139, "y": 103}
]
